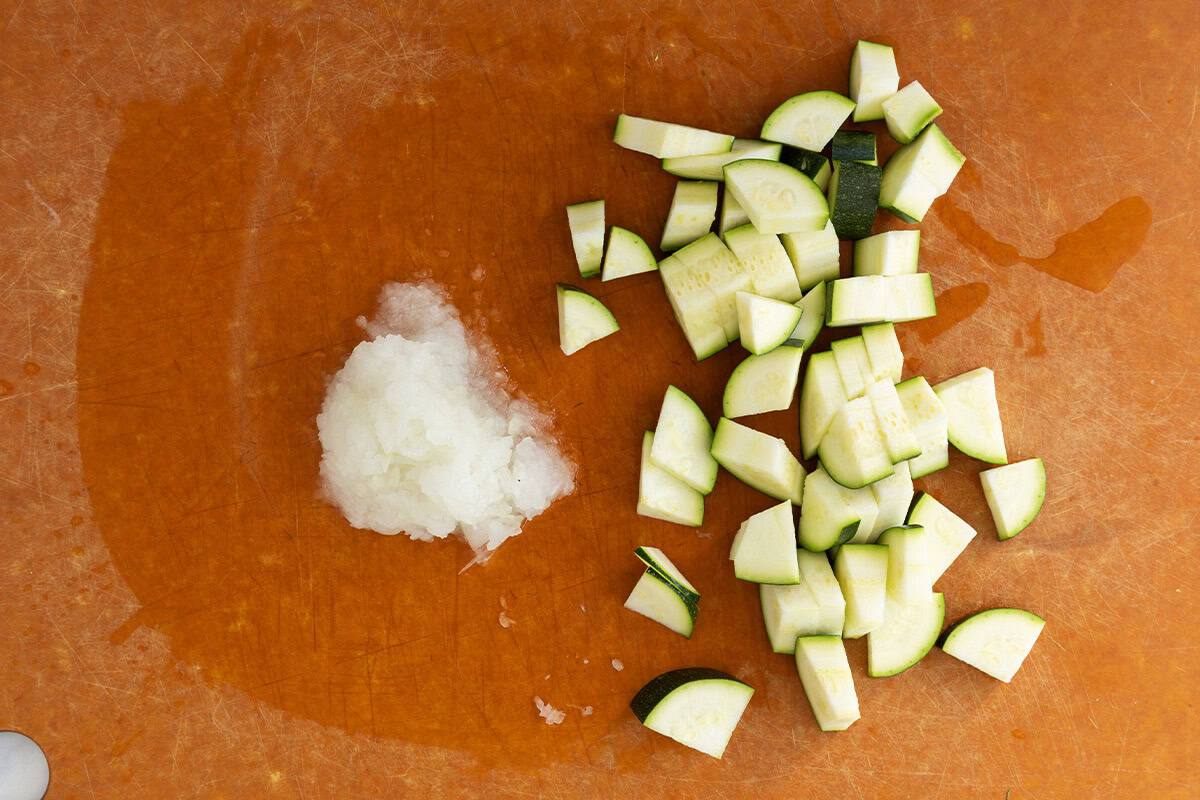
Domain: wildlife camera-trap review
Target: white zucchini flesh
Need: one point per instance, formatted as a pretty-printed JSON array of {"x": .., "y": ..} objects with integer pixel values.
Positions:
[
  {"x": 765, "y": 260},
  {"x": 866, "y": 508},
  {"x": 692, "y": 213},
  {"x": 695, "y": 305},
  {"x": 817, "y": 575},
  {"x": 667, "y": 139},
  {"x": 908, "y": 562},
  {"x": 853, "y": 364},
  {"x": 1015, "y": 494},
  {"x": 857, "y": 301},
  {"x": 764, "y": 323},
  {"x": 763, "y": 383},
  {"x": 883, "y": 352},
  {"x": 790, "y": 611},
  {"x": 764, "y": 548},
  {"x": 873, "y": 79},
  {"x": 928, "y": 418},
  {"x": 732, "y": 213},
  {"x": 814, "y": 255},
  {"x": 908, "y": 297},
  {"x": 828, "y": 683},
  {"x": 582, "y": 319},
  {"x": 812, "y": 318},
  {"x": 919, "y": 173},
  {"x": 893, "y": 496},
  {"x": 717, "y": 268},
  {"x": 888, "y": 253},
  {"x": 908, "y": 633},
  {"x": 827, "y": 516},
  {"x": 697, "y": 707},
  {"x": 659, "y": 600},
  {"x": 946, "y": 534},
  {"x": 777, "y": 198},
  {"x": 861, "y": 571},
  {"x": 627, "y": 254},
  {"x": 586, "y": 221},
  {"x": 711, "y": 167},
  {"x": 663, "y": 496},
  {"x": 908, "y": 111},
  {"x": 852, "y": 450},
  {"x": 995, "y": 641},
  {"x": 898, "y": 437},
  {"x": 822, "y": 395},
  {"x": 759, "y": 460},
  {"x": 973, "y": 416},
  {"x": 682, "y": 439},
  {"x": 807, "y": 120}
]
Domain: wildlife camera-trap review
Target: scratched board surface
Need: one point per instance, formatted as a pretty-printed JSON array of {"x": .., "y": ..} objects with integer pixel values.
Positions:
[{"x": 196, "y": 206}]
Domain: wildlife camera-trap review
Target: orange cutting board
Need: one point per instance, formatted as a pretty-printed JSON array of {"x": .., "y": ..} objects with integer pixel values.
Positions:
[{"x": 196, "y": 207}]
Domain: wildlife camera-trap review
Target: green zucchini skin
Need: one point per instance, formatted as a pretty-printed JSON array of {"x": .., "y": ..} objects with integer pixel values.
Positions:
[
  {"x": 853, "y": 198},
  {"x": 853, "y": 146},
  {"x": 807, "y": 161}
]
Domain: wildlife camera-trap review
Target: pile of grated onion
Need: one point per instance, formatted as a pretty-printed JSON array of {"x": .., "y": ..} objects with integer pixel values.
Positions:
[{"x": 421, "y": 435}]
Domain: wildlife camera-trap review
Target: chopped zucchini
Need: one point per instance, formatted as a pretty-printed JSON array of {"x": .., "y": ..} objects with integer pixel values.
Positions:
[
  {"x": 887, "y": 253},
  {"x": 807, "y": 120},
  {"x": 814, "y": 255},
  {"x": 582, "y": 319},
  {"x": 908, "y": 111},
  {"x": 759, "y": 460},
  {"x": 666, "y": 139},
  {"x": 627, "y": 254},
  {"x": 586, "y": 221},
  {"x": 873, "y": 79},
  {"x": 778, "y": 198},
  {"x": 763, "y": 383},
  {"x": 711, "y": 167},
  {"x": 853, "y": 198},
  {"x": 693, "y": 210},
  {"x": 1015, "y": 494}
]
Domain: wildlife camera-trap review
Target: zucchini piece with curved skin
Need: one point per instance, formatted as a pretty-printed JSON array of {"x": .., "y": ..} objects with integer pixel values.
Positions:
[
  {"x": 946, "y": 534},
  {"x": 656, "y": 561},
  {"x": 827, "y": 516},
  {"x": 873, "y": 79},
  {"x": 853, "y": 198},
  {"x": 759, "y": 460},
  {"x": 666, "y": 139},
  {"x": 821, "y": 397},
  {"x": 854, "y": 146},
  {"x": 909, "y": 631},
  {"x": 663, "y": 496},
  {"x": 697, "y": 707},
  {"x": 582, "y": 319},
  {"x": 778, "y": 198},
  {"x": 1014, "y": 493},
  {"x": 764, "y": 323},
  {"x": 693, "y": 210},
  {"x": 717, "y": 268},
  {"x": 908, "y": 111},
  {"x": 995, "y": 641},
  {"x": 682, "y": 439},
  {"x": 626, "y": 254},
  {"x": 807, "y": 120},
  {"x": 586, "y": 221},
  {"x": 973, "y": 417},
  {"x": 919, "y": 173},
  {"x": 828, "y": 684},
  {"x": 763, "y": 383},
  {"x": 764, "y": 548},
  {"x": 711, "y": 167},
  {"x": 852, "y": 450},
  {"x": 662, "y": 601}
]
